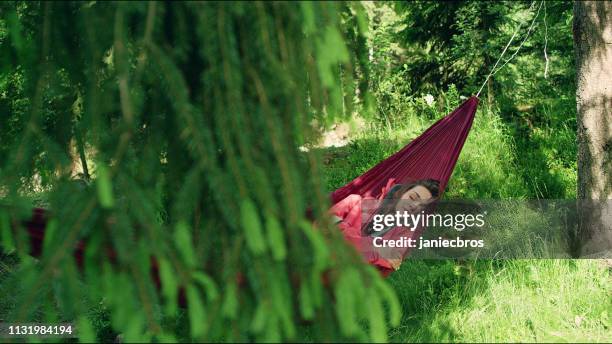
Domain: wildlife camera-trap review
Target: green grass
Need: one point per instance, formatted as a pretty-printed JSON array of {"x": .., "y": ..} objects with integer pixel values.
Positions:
[
  {"x": 503, "y": 301},
  {"x": 491, "y": 301}
]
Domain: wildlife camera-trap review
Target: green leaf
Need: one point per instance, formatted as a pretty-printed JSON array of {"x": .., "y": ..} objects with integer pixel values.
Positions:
[
  {"x": 6, "y": 234},
  {"x": 104, "y": 187},
  {"x": 230, "y": 302},
  {"x": 85, "y": 330},
  {"x": 15, "y": 30},
  {"x": 212, "y": 293},
  {"x": 309, "y": 22},
  {"x": 281, "y": 301},
  {"x": 252, "y": 227},
  {"x": 272, "y": 332},
  {"x": 346, "y": 302},
  {"x": 197, "y": 315},
  {"x": 316, "y": 288},
  {"x": 306, "y": 306},
  {"x": 276, "y": 238},
  {"x": 390, "y": 298},
  {"x": 331, "y": 50},
  {"x": 378, "y": 329},
  {"x": 321, "y": 251},
  {"x": 362, "y": 18},
  {"x": 337, "y": 48},
  {"x": 50, "y": 232},
  {"x": 66, "y": 289},
  {"x": 183, "y": 240},
  {"x": 169, "y": 285},
  {"x": 259, "y": 319}
]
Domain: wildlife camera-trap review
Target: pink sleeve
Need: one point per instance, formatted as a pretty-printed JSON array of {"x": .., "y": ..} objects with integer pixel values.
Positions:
[
  {"x": 344, "y": 207},
  {"x": 381, "y": 264}
]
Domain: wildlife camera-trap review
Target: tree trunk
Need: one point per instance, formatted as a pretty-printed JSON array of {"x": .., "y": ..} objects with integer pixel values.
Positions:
[{"x": 593, "y": 52}]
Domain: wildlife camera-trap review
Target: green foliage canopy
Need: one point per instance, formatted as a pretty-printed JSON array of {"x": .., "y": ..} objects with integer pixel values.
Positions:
[{"x": 188, "y": 117}]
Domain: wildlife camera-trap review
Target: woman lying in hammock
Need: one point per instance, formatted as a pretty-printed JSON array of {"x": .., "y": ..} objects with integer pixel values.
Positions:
[{"x": 348, "y": 213}]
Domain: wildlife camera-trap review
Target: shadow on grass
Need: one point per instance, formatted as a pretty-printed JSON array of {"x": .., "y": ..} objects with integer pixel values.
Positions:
[
  {"x": 545, "y": 139},
  {"x": 343, "y": 164},
  {"x": 426, "y": 288}
]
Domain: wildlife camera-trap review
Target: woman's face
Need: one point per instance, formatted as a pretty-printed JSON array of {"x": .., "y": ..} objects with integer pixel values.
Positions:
[{"x": 414, "y": 199}]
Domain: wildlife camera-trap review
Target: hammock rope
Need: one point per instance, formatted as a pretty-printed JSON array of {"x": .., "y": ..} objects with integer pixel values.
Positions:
[
  {"x": 545, "y": 44},
  {"x": 494, "y": 70}
]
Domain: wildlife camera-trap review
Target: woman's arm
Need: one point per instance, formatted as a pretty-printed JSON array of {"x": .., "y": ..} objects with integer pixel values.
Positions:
[{"x": 347, "y": 206}]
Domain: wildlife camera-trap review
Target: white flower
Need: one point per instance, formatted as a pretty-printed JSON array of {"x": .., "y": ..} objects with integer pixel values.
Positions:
[{"x": 429, "y": 99}]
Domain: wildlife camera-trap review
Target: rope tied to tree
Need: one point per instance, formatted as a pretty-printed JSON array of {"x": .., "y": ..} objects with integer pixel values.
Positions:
[{"x": 494, "y": 70}]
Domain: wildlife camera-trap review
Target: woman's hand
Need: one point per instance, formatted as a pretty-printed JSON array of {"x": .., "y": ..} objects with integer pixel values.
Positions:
[
  {"x": 395, "y": 263},
  {"x": 336, "y": 219}
]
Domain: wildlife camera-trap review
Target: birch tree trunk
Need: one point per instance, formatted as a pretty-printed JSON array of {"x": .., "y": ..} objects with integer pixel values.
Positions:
[{"x": 593, "y": 51}]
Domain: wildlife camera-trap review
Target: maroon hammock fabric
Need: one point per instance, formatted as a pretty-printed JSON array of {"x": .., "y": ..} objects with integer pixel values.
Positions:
[{"x": 432, "y": 155}]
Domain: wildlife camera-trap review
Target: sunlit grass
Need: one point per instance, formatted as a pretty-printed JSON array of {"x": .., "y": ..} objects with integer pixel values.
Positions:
[{"x": 505, "y": 301}]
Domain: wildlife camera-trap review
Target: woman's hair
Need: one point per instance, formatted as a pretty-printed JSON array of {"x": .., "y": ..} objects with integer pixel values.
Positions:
[
  {"x": 394, "y": 195},
  {"x": 398, "y": 190}
]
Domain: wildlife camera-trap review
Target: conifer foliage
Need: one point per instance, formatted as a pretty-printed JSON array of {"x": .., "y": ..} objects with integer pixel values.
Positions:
[{"x": 184, "y": 120}]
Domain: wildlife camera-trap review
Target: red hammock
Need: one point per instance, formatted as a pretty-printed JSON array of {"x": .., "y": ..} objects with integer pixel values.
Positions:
[{"x": 432, "y": 155}]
